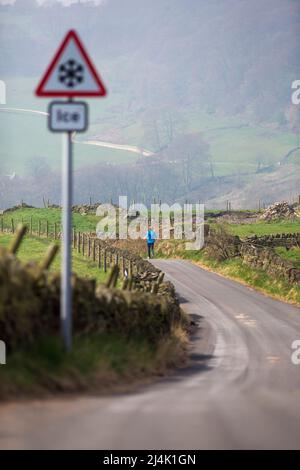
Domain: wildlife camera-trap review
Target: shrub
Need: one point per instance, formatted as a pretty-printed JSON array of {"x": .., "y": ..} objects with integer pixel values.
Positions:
[{"x": 221, "y": 244}]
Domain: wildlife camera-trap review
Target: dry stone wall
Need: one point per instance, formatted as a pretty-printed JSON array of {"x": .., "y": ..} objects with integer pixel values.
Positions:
[
  {"x": 30, "y": 303},
  {"x": 258, "y": 252},
  {"x": 267, "y": 259},
  {"x": 287, "y": 240}
]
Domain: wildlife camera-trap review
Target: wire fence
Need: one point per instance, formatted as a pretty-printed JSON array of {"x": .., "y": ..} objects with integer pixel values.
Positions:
[{"x": 130, "y": 266}]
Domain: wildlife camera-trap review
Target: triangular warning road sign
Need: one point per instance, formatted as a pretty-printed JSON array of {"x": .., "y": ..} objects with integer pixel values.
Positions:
[{"x": 71, "y": 72}]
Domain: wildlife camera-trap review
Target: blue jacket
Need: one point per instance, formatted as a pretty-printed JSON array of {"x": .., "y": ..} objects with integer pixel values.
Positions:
[{"x": 151, "y": 237}]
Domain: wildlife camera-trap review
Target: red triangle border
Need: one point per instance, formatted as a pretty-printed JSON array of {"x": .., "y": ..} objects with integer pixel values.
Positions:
[{"x": 40, "y": 92}]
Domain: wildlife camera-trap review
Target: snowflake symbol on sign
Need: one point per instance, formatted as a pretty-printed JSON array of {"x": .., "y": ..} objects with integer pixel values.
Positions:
[{"x": 71, "y": 73}]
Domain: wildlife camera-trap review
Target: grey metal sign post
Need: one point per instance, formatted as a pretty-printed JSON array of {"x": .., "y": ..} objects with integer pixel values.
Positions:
[
  {"x": 67, "y": 117},
  {"x": 66, "y": 289},
  {"x": 70, "y": 74}
]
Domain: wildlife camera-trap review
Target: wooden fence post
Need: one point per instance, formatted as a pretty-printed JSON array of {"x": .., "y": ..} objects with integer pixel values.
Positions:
[
  {"x": 2, "y": 225},
  {"x": 16, "y": 241},
  {"x": 105, "y": 261},
  {"x": 39, "y": 228},
  {"x": 99, "y": 257},
  {"x": 74, "y": 237},
  {"x": 94, "y": 249},
  {"x": 89, "y": 247},
  {"x": 78, "y": 242},
  {"x": 83, "y": 247},
  {"x": 30, "y": 225},
  {"x": 49, "y": 257},
  {"x": 12, "y": 226},
  {"x": 47, "y": 229}
]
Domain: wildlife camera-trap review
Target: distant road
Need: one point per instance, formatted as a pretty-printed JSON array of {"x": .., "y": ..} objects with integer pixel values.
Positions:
[
  {"x": 23, "y": 111},
  {"x": 97, "y": 143},
  {"x": 127, "y": 148},
  {"x": 239, "y": 391}
]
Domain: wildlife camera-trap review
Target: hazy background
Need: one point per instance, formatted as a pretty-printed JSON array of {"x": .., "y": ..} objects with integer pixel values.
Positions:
[{"x": 203, "y": 85}]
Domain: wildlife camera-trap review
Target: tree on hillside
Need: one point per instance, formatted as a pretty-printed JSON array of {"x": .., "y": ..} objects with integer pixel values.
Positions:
[
  {"x": 189, "y": 153},
  {"x": 161, "y": 127}
]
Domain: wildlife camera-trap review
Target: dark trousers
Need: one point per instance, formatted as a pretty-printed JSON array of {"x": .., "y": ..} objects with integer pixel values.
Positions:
[{"x": 150, "y": 249}]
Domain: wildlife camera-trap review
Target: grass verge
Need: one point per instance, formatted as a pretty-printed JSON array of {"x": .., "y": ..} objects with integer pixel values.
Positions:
[
  {"x": 234, "y": 269},
  {"x": 292, "y": 255},
  {"x": 98, "y": 363},
  {"x": 256, "y": 278},
  {"x": 34, "y": 249}
]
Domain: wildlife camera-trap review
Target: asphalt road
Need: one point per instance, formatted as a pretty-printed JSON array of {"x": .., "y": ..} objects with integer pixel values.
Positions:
[{"x": 240, "y": 390}]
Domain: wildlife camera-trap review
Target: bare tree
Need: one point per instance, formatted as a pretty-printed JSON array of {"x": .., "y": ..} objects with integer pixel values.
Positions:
[
  {"x": 189, "y": 153},
  {"x": 161, "y": 127}
]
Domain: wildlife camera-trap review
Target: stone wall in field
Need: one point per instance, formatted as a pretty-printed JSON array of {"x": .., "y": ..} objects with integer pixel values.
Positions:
[
  {"x": 258, "y": 252},
  {"x": 265, "y": 257},
  {"x": 287, "y": 240}
]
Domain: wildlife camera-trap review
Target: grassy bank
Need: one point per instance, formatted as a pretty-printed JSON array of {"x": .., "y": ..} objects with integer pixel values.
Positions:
[
  {"x": 34, "y": 249},
  {"x": 256, "y": 278},
  {"x": 97, "y": 363},
  {"x": 292, "y": 255},
  {"x": 235, "y": 269}
]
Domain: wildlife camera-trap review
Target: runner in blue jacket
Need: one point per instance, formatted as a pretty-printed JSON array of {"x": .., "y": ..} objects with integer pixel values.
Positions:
[{"x": 151, "y": 237}]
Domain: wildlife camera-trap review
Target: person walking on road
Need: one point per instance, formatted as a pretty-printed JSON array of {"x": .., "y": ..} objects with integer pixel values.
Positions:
[{"x": 151, "y": 237}]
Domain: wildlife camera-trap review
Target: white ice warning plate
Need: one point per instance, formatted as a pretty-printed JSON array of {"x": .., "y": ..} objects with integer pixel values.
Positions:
[
  {"x": 71, "y": 72},
  {"x": 67, "y": 117}
]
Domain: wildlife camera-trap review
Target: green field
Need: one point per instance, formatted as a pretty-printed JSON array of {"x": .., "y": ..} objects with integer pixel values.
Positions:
[
  {"x": 25, "y": 139},
  {"x": 34, "y": 249},
  {"x": 237, "y": 150},
  {"x": 235, "y": 146},
  {"x": 82, "y": 223},
  {"x": 25, "y": 136},
  {"x": 88, "y": 223},
  {"x": 263, "y": 228}
]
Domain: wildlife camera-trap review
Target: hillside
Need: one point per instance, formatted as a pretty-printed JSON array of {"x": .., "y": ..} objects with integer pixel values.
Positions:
[
  {"x": 220, "y": 66},
  {"x": 219, "y": 72}
]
